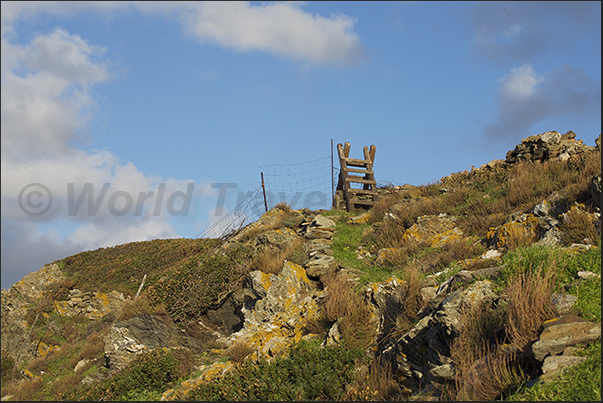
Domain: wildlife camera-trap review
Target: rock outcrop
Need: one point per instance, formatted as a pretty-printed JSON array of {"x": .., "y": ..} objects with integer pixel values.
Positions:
[{"x": 547, "y": 145}]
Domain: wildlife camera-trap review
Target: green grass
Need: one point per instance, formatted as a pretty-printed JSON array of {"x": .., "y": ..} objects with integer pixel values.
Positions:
[
  {"x": 122, "y": 267},
  {"x": 567, "y": 265},
  {"x": 581, "y": 382},
  {"x": 346, "y": 239}
]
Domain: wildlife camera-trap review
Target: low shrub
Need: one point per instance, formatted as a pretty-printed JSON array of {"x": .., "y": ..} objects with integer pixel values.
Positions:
[
  {"x": 155, "y": 371},
  {"x": 308, "y": 372}
]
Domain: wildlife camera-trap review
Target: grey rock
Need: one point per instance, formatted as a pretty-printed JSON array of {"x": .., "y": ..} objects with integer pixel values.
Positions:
[
  {"x": 318, "y": 234},
  {"x": 445, "y": 371},
  {"x": 595, "y": 189},
  {"x": 323, "y": 223},
  {"x": 559, "y": 333},
  {"x": 563, "y": 302},
  {"x": 557, "y": 363}
]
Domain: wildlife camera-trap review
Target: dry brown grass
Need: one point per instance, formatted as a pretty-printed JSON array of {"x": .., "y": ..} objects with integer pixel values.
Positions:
[
  {"x": 284, "y": 206},
  {"x": 375, "y": 382},
  {"x": 319, "y": 326},
  {"x": 272, "y": 259},
  {"x": 529, "y": 304},
  {"x": 239, "y": 350},
  {"x": 578, "y": 226},
  {"x": 139, "y": 306},
  {"x": 384, "y": 203},
  {"x": 483, "y": 370},
  {"x": 341, "y": 302},
  {"x": 413, "y": 300},
  {"x": 534, "y": 181},
  {"x": 493, "y": 375},
  {"x": 94, "y": 347}
]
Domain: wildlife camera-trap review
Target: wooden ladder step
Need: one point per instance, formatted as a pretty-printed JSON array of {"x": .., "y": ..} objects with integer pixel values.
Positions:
[
  {"x": 362, "y": 191},
  {"x": 365, "y": 202},
  {"x": 357, "y": 162},
  {"x": 359, "y": 171},
  {"x": 359, "y": 179}
]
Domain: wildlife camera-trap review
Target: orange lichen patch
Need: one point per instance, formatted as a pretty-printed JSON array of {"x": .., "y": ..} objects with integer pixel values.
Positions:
[
  {"x": 524, "y": 229},
  {"x": 361, "y": 219},
  {"x": 265, "y": 279},
  {"x": 62, "y": 308},
  {"x": 45, "y": 349},
  {"x": 298, "y": 271},
  {"x": 30, "y": 375},
  {"x": 275, "y": 212},
  {"x": 452, "y": 235}
]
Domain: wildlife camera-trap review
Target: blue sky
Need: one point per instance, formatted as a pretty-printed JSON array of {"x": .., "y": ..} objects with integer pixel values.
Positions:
[{"x": 140, "y": 94}]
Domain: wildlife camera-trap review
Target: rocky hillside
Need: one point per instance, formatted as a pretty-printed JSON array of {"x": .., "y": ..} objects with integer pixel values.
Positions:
[{"x": 485, "y": 285}]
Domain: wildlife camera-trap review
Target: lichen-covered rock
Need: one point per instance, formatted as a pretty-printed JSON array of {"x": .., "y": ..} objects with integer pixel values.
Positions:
[
  {"x": 278, "y": 316},
  {"x": 517, "y": 230},
  {"x": 140, "y": 334},
  {"x": 208, "y": 372},
  {"x": 545, "y": 146},
  {"x": 278, "y": 237},
  {"x": 422, "y": 355},
  {"x": 387, "y": 298},
  {"x": 93, "y": 305},
  {"x": 32, "y": 285},
  {"x": 433, "y": 229},
  {"x": 15, "y": 301}
]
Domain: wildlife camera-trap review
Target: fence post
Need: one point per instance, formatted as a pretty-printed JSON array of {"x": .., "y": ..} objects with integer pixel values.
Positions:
[
  {"x": 264, "y": 190},
  {"x": 332, "y": 179}
]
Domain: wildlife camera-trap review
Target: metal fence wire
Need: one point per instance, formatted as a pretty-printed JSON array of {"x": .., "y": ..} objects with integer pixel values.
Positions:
[{"x": 302, "y": 185}]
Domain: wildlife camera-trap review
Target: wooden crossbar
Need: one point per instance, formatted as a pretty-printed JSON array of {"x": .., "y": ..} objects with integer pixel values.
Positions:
[{"x": 364, "y": 167}]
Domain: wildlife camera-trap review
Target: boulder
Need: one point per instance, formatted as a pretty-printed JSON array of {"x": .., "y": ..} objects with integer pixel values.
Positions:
[
  {"x": 433, "y": 229},
  {"x": 517, "y": 229},
  {"x": 563, "y": 332},
  {"x": 139, "y": 334},
  {"x": 277, "y": 316},
  {"x": 423, "y": 353},
  {"x": 595, "y": 189}
]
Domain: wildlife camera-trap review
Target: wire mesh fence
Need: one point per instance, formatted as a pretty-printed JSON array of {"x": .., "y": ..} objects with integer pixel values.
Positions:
[
  {"x": 243, "y": 214},
  {"x": 307, "y": 184},
  {"x": 303, "y": 185}
]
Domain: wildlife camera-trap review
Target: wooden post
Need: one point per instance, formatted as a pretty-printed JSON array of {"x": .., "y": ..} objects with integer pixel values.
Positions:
[
  {"x": 140, "y": 288},
  {"x": 264, "y": 190},
  {"x": 332, "y": 179}
]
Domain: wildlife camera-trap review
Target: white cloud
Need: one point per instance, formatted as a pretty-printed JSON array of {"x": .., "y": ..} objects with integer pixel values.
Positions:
[
  {"x": 45, "y": 106},
  {"x": 283, "y": 29},
  {"x": 520, "y": 83}
]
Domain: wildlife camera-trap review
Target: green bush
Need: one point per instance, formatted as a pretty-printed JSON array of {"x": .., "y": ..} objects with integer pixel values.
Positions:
[
  {"x": 147, "y": 376},
  {"x": 309, "y": 372}
]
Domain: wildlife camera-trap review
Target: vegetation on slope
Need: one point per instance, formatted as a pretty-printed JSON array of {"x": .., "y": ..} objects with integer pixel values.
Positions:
[{"x": 185, "y": 278}]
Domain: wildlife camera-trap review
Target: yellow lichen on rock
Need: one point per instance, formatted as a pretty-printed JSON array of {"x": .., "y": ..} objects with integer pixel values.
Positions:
[
  {"x": 523, "y": 230},
  {"x": 45, "y": 349},
  {"x": 452, "y": 235}
]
